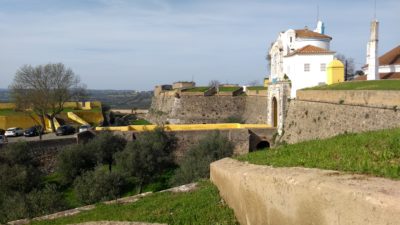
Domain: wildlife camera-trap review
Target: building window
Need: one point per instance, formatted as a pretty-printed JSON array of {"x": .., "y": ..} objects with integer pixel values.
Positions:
[
  {"x": 306, "y": 67},
  {"x": 291, "y": 39},
  {"x": 323, "y": 67}
]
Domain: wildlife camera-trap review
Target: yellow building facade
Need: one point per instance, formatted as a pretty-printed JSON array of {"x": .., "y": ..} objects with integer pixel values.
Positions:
[{"x": 335, "y": 72}]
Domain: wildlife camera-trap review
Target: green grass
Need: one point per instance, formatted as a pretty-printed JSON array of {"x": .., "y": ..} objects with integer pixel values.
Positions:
[
  {"x": 11, "y": 112},
  {"x": 228, "y": 89},
  {"x": 361, "y": 85},
  {"x": 202, "y": 206},
  {"x": 197, "y": 89},
  {"x": 257, "y": 88},
  {"x": 374, "y": 153},
  {"x": 140, "y": 122}
]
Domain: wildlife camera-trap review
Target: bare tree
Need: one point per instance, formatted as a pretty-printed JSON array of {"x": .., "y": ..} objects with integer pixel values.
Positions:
[
  {"x": 349, "y": 67},
  {"x": 45, "y": 89}
]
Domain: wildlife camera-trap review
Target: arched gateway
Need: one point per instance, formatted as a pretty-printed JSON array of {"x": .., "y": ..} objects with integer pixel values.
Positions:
[{"x": 278, "y": 95}]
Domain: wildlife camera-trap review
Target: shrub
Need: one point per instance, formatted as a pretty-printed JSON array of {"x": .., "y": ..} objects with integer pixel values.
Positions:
[
  {"x": 196, "y": 162},
  {"x": 18, "y": 169},
  {"x": 104, "y": 146},
  {"x": 98, "y": 185},
  {"x": 44, "y": 201},
  {"x": 12, "y": 207},
  {"x": 149, "y": 155},
  {"x": 73, "y": 161}
]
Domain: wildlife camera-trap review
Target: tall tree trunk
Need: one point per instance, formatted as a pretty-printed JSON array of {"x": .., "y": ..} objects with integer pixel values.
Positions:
[
  {"x": 110, "y": 166},
  {"x": 43, "y": 122},
  {"x": 140, "y": 186}
]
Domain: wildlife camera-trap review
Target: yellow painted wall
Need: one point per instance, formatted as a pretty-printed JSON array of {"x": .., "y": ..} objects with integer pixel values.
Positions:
[
  {"x": 335, "y": 72},
  {"x": 266, "y": 82},
  {"x": 23, "y": 121},
  {"x": 76, "y": 118},
  {"x": 186, "y": 127},
  {"x": 91, "y": 117}
]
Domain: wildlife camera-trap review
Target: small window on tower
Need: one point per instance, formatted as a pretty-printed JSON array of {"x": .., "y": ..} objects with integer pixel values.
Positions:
[
  {"x": 306, "y": 67},
  {"x": 323, "y": 67},
  {"x": 291, "y": 39}
]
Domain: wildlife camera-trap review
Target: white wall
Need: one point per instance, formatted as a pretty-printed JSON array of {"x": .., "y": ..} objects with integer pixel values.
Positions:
[
  {"x": 322, "y": 43},
  {"x": 301, "y": 79}
]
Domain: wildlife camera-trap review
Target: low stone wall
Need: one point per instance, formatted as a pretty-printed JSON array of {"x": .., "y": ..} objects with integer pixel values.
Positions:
[
  {"x": 286, "y": 196},
  {"x": 316, "y": 120},
  {"x": 375, "y": 98}
]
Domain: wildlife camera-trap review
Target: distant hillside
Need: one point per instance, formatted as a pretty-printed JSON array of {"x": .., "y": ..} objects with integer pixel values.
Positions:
[
  {"x": 117, "y": 99},
  {"x": 4, "y": 95}
]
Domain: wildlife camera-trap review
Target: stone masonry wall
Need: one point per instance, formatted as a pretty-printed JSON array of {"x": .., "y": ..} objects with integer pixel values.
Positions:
[
  {"x": 316, "y": 120},
  {"x": 378, "y": 98},
  {"x": 187, "y": 139},
  {"x": 207, "y": 109},
  {"x": 302, "y": 196},
  {"x": 46, "y": 151}
]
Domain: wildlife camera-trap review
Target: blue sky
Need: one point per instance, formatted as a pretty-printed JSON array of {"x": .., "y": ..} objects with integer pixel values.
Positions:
[{"x": 137, "y": 44}]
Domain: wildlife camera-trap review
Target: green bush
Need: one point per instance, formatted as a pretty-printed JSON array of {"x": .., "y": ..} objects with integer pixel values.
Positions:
[
  {"x": 18, "y": 169},
  {"x": 98, "y": 185},
  {"x": 44, "y": 201},
  {"x": 149, "y": 155},
  {"x": 73, "y": 161},
  {"x": 196, "y": 162},
  {"x": 12, "y": 206},
  {"x": 104, "y": 146}
]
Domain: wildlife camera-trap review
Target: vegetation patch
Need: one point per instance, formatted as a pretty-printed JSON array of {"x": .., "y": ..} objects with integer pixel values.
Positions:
[
  {"x": 361, "y": 85},
  {"x": 11, "y": 112},
  {"x": 196, "y": 89},
  {"x": 201, "y": 206},
  {"x": 228, "y": 89},
  {"x": 257, "y": 88},
  {"x": 141, "y": 122},
  {"x": 374, "y": 153}
]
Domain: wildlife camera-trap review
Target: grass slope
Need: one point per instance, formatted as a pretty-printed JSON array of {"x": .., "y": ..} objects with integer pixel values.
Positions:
[
  {"x": 361, "y": 85},
  {"x": 228, "y": 89},
  {"x": 374, "y": 153},
  {"x": 202, "y": 206},
  {"x": 257, "y": 88}
]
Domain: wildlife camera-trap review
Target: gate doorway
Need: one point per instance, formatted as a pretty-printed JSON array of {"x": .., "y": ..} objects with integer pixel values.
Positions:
[{"x": 275, "y": 111}]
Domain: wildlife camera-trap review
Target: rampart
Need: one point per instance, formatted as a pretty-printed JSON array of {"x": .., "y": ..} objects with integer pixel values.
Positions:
[
  {"x": 320, "y": 115},
  {"x": 286, "y": 196},
  {"x": 207, "y": 109}
]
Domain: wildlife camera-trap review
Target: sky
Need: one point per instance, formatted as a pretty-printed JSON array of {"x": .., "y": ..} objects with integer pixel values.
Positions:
[{"x": 137, "y": 44}]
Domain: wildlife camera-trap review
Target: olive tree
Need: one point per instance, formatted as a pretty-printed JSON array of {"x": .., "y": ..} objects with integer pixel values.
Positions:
[{"x": 45, "y": 89}]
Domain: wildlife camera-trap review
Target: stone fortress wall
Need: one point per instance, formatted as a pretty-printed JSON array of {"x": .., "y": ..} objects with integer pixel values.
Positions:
[
  {"x": 324, "y": 114},
  {"x": 187, "y": 108}
]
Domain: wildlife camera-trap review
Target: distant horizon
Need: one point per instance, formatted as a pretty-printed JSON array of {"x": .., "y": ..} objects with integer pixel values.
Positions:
[{"x": 136, "y": 45}]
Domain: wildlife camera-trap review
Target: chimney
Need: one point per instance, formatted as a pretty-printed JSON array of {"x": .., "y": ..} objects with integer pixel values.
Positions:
[{"x": 372, "y": 53}]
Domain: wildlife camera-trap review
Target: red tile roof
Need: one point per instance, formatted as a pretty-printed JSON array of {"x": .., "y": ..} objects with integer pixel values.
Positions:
[
  {"x": 384, "y": 76},
  {"x": 306, "y": 33},
  {"x": 391, "y": 57},
  {"x": 310, "y": 50}
]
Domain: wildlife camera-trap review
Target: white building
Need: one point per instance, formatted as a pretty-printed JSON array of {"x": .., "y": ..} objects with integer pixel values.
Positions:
[
  {"x": 389, "y": 65},
  {"x": 302, "y": 55}
]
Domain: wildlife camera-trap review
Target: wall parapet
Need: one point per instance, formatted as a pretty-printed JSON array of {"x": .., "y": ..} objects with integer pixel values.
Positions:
[
  {"x": 374, "y": 98},
  {"x": 267, "y": 195}
]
